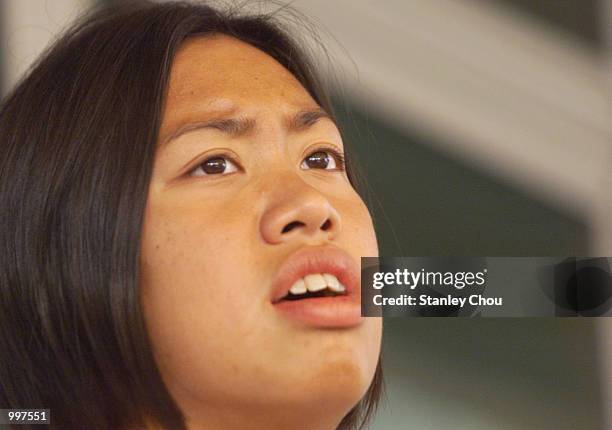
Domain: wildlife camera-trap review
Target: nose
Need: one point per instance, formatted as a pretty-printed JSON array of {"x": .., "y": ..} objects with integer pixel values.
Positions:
[{"x": 300, "y": 212}]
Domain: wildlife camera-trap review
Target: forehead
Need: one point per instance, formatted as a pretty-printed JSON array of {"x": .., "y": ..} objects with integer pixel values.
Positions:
[{"x": 219, "y": 71}]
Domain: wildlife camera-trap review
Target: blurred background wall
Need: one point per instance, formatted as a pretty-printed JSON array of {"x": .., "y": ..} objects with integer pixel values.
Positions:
[{"x": 483, "y": 129}]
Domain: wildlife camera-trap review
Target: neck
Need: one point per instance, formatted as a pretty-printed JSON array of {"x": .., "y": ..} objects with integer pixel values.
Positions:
[{"x": 265, "y": 417}]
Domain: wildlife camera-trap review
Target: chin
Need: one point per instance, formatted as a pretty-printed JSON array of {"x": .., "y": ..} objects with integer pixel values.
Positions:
[{"x": 337, "y": 381}]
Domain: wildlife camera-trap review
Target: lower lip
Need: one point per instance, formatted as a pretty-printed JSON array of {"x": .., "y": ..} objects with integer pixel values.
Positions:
[{"x": 323, "y": 312}]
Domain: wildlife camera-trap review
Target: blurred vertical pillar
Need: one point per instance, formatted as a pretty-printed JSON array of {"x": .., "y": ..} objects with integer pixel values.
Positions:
[
  {"x": 2, "y": 52},
  {"x": 603, "y": 227},
  {"x": 27, "y": 27}
]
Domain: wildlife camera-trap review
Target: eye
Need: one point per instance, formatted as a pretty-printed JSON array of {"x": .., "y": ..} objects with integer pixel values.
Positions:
[
  {"x": 324, "y": 158},
  {"x": 217, "y": 165}
]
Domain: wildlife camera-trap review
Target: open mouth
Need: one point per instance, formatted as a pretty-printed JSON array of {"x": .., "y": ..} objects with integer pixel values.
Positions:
[
  {"x": 315, "y": 285},
  {"x": 318, "y": 287},
  {"x": 310, "y": 295}
]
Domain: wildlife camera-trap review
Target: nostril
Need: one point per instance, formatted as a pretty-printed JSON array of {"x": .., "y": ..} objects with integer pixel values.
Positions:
[
  {"x": 326, "y": 225},
  {"x": 292, "y": 225}
]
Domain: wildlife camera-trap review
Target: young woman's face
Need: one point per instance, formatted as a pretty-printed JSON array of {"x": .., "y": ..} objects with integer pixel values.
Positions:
[{"x": 247, "y": 198}]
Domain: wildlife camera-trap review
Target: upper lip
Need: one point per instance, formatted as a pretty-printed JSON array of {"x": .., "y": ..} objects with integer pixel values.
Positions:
[{"x": 316, "y": 259}]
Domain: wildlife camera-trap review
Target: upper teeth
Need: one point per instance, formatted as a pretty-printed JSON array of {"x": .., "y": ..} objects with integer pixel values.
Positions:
[{"x": 317, "y": 282}]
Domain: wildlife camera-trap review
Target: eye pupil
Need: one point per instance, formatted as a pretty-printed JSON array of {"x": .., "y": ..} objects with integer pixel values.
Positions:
[
  {"x": 318, "y": 160},
  {"x": 214, "y": 165}
]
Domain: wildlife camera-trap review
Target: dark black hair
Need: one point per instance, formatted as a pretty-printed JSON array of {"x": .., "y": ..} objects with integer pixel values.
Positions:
[{"x": 74, "y": 179}]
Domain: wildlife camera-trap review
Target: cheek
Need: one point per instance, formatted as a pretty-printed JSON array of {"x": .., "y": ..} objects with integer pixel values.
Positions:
[
  {"x": 362, "y": 242},
  {"x": 191, "y": 245},
  {"x": 191, "y": 288},
  {"x": 358, "y": 237},
  {"x": 358, "y": 233}
]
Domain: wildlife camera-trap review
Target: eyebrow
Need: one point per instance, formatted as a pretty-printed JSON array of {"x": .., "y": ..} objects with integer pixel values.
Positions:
[{"x": 240, "y": 126}]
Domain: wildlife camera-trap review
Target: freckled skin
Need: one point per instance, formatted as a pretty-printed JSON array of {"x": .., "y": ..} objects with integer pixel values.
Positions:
[{"x": 209, "y": 254}]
